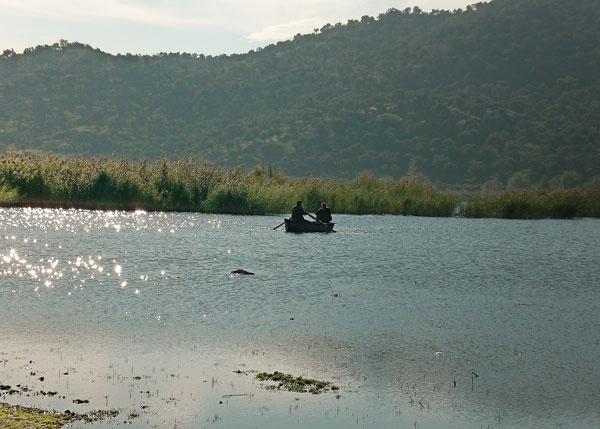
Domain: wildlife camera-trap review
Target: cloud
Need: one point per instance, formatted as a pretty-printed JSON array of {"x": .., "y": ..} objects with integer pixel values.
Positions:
[
  {"x": 209, "y": 26},
  {"x": 286, "y": 19},
  {"x": 77, "y": 10},
  {"x": 320, "y": 12},
  {"x": 258, "y": 19},
  {"x": 285, "y": 31}
]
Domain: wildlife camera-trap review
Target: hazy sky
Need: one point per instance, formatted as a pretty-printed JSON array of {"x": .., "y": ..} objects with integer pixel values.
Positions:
[{"x": 201, "y": 26}]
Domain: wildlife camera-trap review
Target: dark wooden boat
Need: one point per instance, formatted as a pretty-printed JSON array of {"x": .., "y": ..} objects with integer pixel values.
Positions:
[{"x": 307, "y": 226}]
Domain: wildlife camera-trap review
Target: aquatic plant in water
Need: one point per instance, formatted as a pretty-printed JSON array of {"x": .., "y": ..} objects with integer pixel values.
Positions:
[
  {"x": 295, "y": 384},
  {"x": 18, "y": 417}
]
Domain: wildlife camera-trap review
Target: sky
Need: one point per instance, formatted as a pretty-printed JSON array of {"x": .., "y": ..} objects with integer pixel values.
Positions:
[{"x": 209, "y": 27}]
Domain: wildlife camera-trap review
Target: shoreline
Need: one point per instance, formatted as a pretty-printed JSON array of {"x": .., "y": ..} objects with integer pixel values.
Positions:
[
  {"x": 68, "y": 205},
  {"x": 65, "y": 205}
]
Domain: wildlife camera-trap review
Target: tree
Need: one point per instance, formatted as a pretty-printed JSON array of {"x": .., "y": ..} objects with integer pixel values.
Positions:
[
  {"x": 7, "y": 53},
  {"x": 519, "y": 181}
]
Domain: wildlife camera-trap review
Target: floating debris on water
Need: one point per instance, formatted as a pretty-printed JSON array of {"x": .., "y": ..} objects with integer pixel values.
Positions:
[{"x": 241, "y": 272}]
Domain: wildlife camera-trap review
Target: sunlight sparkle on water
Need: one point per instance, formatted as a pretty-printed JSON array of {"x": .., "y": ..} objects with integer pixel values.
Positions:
[{"x": 46, "y": 266}]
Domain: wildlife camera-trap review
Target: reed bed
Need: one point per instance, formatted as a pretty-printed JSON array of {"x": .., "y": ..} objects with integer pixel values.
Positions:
[
  {"x": 557, "y": 204},
  {"x": 47, "y": 180}
]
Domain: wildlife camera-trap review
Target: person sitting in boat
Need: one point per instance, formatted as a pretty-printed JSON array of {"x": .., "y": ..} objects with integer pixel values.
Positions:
[
  {"x": 324, "y": 214},
  {"x": 298, "y": 212}
]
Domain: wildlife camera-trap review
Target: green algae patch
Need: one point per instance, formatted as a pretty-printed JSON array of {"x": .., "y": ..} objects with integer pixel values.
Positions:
[
  {"x": 281, "y": 381},
  {"x": 17, "y": 417}
]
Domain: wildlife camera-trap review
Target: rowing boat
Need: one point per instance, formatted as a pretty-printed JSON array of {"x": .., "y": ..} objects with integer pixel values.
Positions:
[{"x": 306, "y": 226}]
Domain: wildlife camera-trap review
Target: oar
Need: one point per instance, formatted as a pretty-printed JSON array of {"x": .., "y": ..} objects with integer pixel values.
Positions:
[
  {"x": 332, "y": 230},
  {"x": 280, "y": 225}
]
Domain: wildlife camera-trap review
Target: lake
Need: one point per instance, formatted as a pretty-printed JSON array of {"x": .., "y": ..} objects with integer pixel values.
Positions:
[{"x": 421, "y": 322}]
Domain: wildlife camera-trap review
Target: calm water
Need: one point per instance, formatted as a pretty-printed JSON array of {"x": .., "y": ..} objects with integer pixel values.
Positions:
[{"x": 137, "y": 311}]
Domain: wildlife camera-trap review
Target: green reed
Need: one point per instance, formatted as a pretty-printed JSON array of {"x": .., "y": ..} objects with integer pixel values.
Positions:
[
  {"x": 188, "y": 185},
  {"x": 558, "y": 204}
]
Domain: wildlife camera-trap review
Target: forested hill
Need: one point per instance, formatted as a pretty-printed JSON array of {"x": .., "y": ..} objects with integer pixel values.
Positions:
[{"x": 508, "y": 89}]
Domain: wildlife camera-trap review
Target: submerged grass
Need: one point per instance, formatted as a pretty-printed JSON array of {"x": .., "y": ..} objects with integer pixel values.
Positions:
[
  {"x": 46, "y": 180},
  {"x": 17, "y": 417}
]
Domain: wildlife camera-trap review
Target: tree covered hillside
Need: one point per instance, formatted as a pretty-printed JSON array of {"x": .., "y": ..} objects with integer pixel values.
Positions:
[{"x": 507, "y": 90}]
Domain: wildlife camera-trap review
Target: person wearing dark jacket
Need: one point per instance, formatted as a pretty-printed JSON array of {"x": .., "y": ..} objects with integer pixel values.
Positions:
[
  {"x": 298, "y": 212},
  {"x": 324, "y": 214}
]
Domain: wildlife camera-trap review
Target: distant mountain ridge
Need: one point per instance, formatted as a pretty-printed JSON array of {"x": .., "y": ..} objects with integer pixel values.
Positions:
[{"x": 503, "y": 92}]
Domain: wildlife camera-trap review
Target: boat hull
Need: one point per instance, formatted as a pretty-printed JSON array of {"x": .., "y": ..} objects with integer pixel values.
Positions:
[{"x": 306, "y": 226}]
